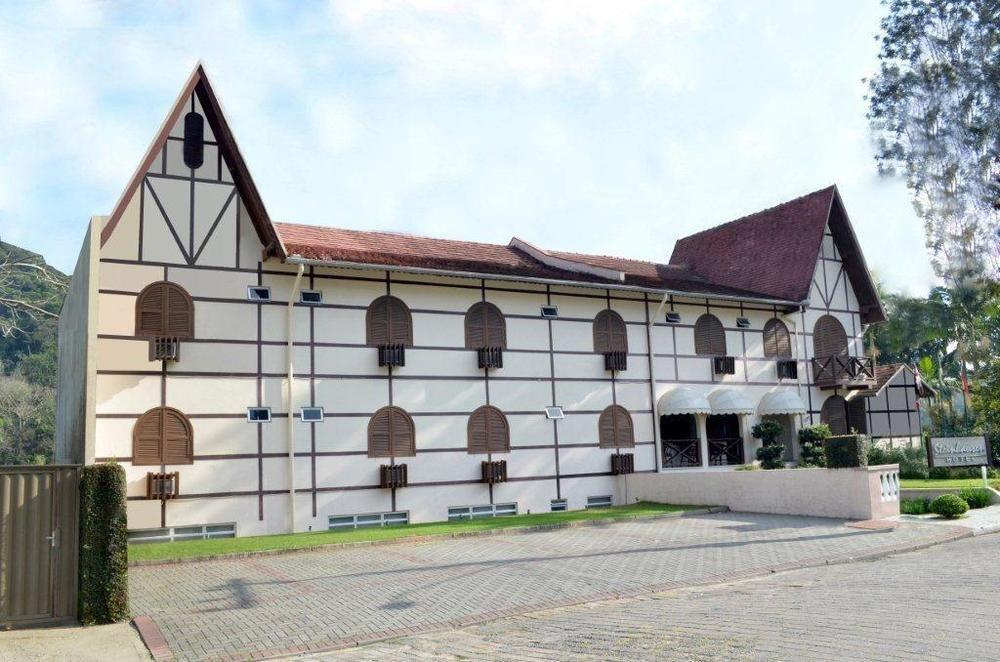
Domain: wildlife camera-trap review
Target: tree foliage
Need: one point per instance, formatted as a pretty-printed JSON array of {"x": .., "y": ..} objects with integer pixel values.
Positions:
[{"x": 935, "y": 107}]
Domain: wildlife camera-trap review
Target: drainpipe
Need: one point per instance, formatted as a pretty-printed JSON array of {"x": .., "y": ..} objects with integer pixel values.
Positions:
[
  {"x": 652, "y": 382},
  {"x": 290, "y": 420}
]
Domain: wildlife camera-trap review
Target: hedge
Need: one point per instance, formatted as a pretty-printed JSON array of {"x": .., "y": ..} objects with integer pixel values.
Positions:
[
  {"x": 845, "y": 451},
  {"x": 103, "y": 545}
]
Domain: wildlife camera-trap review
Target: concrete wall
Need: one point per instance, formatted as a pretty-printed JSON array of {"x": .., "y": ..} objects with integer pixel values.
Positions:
[
  {"x": 77, "y": 362},
  {"x": 855, "y": 494}
]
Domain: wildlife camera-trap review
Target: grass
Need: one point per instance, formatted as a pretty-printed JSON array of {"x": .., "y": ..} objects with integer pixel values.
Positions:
[
  {"x": 910, "y": 483},
  {"x": 164, "y": 551}
]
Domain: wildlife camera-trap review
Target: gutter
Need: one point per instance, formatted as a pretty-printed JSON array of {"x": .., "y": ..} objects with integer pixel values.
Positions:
[
  {"x": 290, "y": 419},
  {"x": 339, "y": 264}
]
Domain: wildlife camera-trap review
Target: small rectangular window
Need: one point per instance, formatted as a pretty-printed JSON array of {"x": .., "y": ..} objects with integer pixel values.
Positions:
[
  {"x": 479, "y": 512},
  {"x": 673, "y": 318},
  {"x": 255, "y": 293},
  {"x": 259, "y": 414},
  {"x": 550, "y": 312},
  {"x": 558, "y": 505},
  {"x": 312, "y": 414},
  {"x": 603, "y": 501},
  {"x": 342, "y": 522},
  {"x": 311, "y": 297},
  {"x": 554, "y": 413},
  {"x": 743, "y": 322}
]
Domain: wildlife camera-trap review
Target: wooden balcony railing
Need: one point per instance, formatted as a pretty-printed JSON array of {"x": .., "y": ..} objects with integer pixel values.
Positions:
[
  {"x": 681, "y": 453},
  {"x": 723, "y": 452},
  {"x": 844, "y": 371}
]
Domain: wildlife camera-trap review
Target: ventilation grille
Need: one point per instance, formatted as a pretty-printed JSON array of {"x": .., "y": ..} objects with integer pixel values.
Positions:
[
  {"x": 495, "y": 471},
  {"x": 392, "y": 355},
  {"x": 788, "y": 369},
  {"x": 490, "y": 357},
  {"x": 623, "y": 464},
  {"x": 391, "y": 476},
  {"x": 725, "y": 365},
  {"x": 164, "y": 348},
  {"x": 615, "y": 361},
  {"x": 162, "y": 485}
]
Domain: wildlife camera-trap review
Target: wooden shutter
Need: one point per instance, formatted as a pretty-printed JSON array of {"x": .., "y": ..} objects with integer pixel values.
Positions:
[
  {"x": 829, "y": 338},
  {"x": 777, "y": 341},
  {"x": 485, "y": 326},
  {"x": 164, "y": 309},
  {"x": 379, "y": 434},
  {"x": 709, "y": 336},
  {"x": 834, "y": 414},
  {"x": 402, "y": 435},
  {"x": 610, "y": 334},
  {"x": 178, "y": 446},
  {"x": 388, "y": 322},
  {"x": 146, "y": 435},
  {"x": 162, "y": 436},
  {"x": 391, "y": 434},
  {"x": 615, "y": 428},
  {"x": 488, "y": 431}
]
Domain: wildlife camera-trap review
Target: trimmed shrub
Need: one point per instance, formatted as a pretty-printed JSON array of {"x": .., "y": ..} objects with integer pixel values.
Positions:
[
  {"x": 915, "y": 506},
  {"x": 811, "y": 441},
  {"x": 771, "y": 452},
  {"x": 949, "y": 506},
  {"x": 976, "y": 497},
  {"x": 846, "y": 451},
  {"x": 103, "y": 545}
]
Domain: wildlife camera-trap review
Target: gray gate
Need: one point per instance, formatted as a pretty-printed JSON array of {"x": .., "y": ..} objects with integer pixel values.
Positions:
[{"x": 38, "y": 544}]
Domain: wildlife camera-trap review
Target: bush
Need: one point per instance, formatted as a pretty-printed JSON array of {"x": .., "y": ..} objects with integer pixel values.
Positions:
[
  {"x": 944, "y": 473},
  {"x": 771, "y": 452},
  {"x": 845, "y": 451},
  {"x": 103, "y": 545},
  {"x": 949, "y": 506},
  {"x": 748, "y": 467},
  {"x": 811, "y": 441},
  {"x": 913, "y": 463},
  {"x": 915, "y": 506},
  {"x": 976, "y": 497}
]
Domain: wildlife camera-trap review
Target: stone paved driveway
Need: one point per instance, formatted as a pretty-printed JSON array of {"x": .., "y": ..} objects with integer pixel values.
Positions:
[
  {"x": 939, "y": 603},
  {"x": 313, "y": 600}
]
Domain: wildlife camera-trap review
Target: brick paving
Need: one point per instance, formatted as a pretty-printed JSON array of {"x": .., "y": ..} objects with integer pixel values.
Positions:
[
  {"x": 939, "y": 603},
  {"x": 309, "y": 601}
]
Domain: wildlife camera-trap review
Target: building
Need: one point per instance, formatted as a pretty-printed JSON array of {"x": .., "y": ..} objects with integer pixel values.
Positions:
[
  {"x": 893, "y": 404},
  {"x": 254, "y": 377}
]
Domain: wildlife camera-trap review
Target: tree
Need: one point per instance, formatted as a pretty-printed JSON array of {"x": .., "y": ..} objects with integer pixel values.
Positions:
[
  {"x": 935, "y": 107},
  {"x": 31, "y": 294},
  {"x": 27, "y": 422}
]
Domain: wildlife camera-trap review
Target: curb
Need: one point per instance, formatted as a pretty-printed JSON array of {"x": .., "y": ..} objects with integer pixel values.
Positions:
[
  {"x": 151, "y": 636},
  {"x": 511, "y": 530}
]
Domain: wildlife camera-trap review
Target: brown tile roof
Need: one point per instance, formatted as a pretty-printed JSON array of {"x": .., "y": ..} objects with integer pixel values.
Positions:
[
  {"x": 884, "y": 372},
  {"x": 407, "y": 250}
]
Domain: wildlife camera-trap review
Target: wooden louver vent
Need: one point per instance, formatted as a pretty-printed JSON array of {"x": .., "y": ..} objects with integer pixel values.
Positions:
[
  {"x": 164, "y": 309},
  {"x": 392, "y": 355},
  {"x": 162, "y": 485},
  {"x": 777, "y": 341},
  {"x": 162, "y": 435},
  {"x": 788, "y": 369},
  {"x": 615, "y": 429},
  {"x": 391, "y": 434},
  {"x": 623, "y": 464},
  {"x": 610, "y": 334},
  {"x": 164, "y": 348},
  {"x": 488, "y": 431},
  {"x": 724, "y": 365},
  {"x": 393, "y": 475},
  {"x": 388, "y": 322},
  {"x": 709, "y": 336},
  {"x": 490, "y": 357},
  {"x": 495, "y": 471},
  {"x": 194, "y": 140},
  {"x": 615, "y": 361}
]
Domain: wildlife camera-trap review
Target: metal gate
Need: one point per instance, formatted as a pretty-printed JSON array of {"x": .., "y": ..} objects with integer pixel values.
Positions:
[{"x": 38, "y": 544}]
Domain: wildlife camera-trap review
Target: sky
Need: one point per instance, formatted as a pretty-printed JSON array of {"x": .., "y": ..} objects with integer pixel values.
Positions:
[{"x": 598, "y": 127}]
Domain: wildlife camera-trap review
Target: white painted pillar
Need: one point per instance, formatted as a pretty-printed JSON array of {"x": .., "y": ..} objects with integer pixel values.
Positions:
[
  {"x": 749, "y": 443},
  {"x": 702, "y": 420}
]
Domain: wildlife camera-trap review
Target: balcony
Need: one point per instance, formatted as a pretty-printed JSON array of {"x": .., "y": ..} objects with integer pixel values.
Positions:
[
  {"x": 724, "y": 365},
  {"x": 392, "y": 476},
  {"x": 850, "y": 372},
  {"x": 164, "y": 348}
]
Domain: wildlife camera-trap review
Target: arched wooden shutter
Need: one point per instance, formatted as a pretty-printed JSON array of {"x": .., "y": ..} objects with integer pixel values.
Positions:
[
  {"x": 488, "y": 431},
  {"x": 614, "y": 428},
  {"x": 388, "y": 322},
  {"x": 709, "y": 336},
  {"x": 162, "y": 436},
  {"x": 164, "y": 309},
  {"x": 610, "y": 334},
  {"x": 391, "y": 434},
  {"x": 485, "y": 326},
  {"x": 829, "y": 338},
  {"x": 834, "y": 414},
  {"x": 777, "y": 341}
]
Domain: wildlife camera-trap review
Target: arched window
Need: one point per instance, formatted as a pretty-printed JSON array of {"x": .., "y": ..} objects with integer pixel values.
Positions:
[
  {"x": 162, "y": 436},
  {"x": 391, "y": 434},
  {"x": 388, "y": 322},
  {"x": 485, "y": 327},
  {"x": 609, "y": 333},
  {"x": 488, "y": 431},
  {"x": 829, "y": 338},
  {"x": 709, "y": 336},
  {"x": 614, "y": 428},
  {"x": 777, "y": 341},
  {"x": 834, "y": 414},
  {"x": 164, "y": 309}
]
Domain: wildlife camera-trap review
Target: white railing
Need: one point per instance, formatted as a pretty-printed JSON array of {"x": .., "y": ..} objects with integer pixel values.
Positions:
[{"x": 889, "y": 480}]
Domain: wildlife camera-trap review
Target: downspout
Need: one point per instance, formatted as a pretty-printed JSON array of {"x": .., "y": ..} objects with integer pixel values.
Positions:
[
  {"x": 650, "y": 323},
  {"x": 290, "y": 419}
]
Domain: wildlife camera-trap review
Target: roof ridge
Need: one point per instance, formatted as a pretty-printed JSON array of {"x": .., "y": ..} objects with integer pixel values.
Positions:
[{"x": 395, "y": 233}]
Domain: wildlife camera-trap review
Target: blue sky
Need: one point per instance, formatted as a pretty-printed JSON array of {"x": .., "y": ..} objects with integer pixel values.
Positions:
[{"x": 604, "y": 127}]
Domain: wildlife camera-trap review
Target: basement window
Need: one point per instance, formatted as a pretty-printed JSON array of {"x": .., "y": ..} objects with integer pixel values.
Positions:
[
  {"x": 743, "y": 322},
  {"x": 256, "y": 293},
  {"x": 259, "y": 414},
  {"x": 603, "y": 501},
  {"x": 673, "y": 318},
  {"x": 311, "y": 297},
  {"x": 550, "y": 312},
  {"x": 480, "y": 512},
  {"x": 175, "y": 533},
  {"x": 558, "y": 505},
  {"x": 371, "y": 520},
  {"x": 554, "y": 413},
  {"x": 312, "y": 414}
]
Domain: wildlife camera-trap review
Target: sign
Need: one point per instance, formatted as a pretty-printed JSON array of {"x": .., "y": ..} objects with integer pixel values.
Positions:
[{"x": 958, "y": 452}]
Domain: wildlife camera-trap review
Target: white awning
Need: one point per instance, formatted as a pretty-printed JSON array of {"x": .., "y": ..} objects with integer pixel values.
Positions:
[
  {"x": 682, "y": 400},
  {"x": 781, "y": 402},
  {"x": 729, "y": 401}
]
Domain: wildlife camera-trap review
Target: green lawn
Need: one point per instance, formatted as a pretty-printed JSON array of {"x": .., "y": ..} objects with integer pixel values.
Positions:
[
  {"x": 908, "y": 483},
  {"x": 193, "y": 548}
]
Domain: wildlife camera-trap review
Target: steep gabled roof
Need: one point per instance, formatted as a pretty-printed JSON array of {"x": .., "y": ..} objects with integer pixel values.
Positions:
[
  {"x": 199, "y": 84},
  {"x": 775, "y": 251}
]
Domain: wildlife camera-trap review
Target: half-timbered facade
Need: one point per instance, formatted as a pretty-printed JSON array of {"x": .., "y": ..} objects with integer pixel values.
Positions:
[{"x": 257, "y": 377}]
